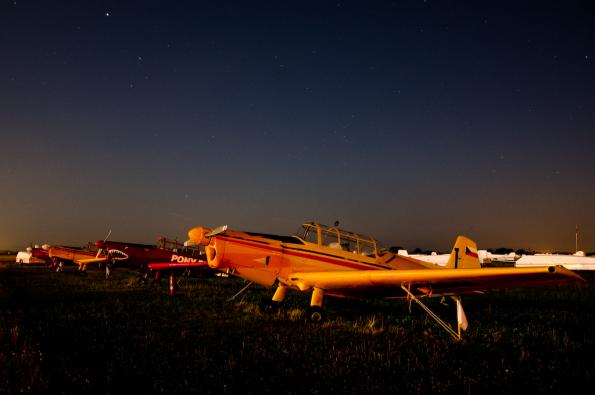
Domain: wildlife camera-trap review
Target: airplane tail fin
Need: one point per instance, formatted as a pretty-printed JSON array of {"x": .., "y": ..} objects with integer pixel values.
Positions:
[{"x": 464, "y": 255}]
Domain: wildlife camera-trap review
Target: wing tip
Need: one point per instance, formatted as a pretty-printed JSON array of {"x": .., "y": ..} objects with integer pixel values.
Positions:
[{"x": 559, "y": 269}]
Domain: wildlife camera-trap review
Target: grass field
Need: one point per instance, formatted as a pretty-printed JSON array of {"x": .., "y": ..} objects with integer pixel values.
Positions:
[{"x": 63, "y": 333}]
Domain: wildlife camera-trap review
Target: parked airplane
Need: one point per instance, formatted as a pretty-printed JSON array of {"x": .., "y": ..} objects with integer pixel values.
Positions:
[
  {"x": 436, "y": 259},
  {"x": 328, "y": 261},
  {"x": 138, "y": 255},
  {"x": 41, "y": 253},
  {"x": 60, "y": 254},
  {"x": 33, "y": 254},
  {"x": 576, "y": 261},
  {"x": 486, "y": 258},
  {"x": 169, "y": 257}
]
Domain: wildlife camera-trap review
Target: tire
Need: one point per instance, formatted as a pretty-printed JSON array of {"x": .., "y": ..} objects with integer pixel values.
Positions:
[{"x": 315, "y": 314}]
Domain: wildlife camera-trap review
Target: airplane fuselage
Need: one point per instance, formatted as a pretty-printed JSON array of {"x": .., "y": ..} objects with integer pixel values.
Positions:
[
  {"x": 265, "y": 260},
  {"x": 69, "y": 253},
  {"x": 136, "y": 255}
]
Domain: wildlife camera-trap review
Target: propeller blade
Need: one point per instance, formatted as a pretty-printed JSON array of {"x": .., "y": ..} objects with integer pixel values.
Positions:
[
  {"x": 104, "y": 240},
  {"x": 216, "y": 231}
]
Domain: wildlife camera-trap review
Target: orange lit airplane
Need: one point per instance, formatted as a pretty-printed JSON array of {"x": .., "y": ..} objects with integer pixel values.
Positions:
[{"x": 328, "y": 261}]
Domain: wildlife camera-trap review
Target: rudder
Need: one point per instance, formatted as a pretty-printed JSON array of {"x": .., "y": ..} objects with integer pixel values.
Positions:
[{"x": 465, "y": 250}]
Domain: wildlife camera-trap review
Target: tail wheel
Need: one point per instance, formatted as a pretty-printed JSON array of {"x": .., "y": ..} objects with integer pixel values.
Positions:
[
  {"x": 315, "y": 314},
  {"x": 270, "y": 306}
]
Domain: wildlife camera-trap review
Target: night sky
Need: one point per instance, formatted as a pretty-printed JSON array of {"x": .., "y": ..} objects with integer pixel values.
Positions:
[{"x": 410, "y": 121}]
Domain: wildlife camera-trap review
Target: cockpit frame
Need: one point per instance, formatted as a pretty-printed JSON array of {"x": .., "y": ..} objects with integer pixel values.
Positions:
[{"x": 336, "y": 238}]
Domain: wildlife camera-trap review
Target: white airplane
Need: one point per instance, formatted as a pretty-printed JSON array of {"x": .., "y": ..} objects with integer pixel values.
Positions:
[
  {"x": 436, "y": 259},
  {"x": 577, "y": 261},
  {"x": 485, "y": 257}
]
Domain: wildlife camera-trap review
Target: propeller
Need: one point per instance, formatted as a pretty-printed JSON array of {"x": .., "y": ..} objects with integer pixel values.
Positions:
[
  {"x": 201, "y": 235},
  {"x": 217, "y": 230},
  {"x": 101, "y": 246}
]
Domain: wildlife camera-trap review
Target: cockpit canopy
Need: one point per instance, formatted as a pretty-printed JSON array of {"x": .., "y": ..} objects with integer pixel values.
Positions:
[{"x": 333, "y": 237}]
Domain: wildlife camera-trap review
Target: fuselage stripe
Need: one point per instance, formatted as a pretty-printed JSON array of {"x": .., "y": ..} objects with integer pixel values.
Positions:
[{"x": 309, "y": 254}]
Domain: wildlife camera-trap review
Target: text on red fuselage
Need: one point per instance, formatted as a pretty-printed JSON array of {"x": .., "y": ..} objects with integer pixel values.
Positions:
[{"x": 180, "y": 258}]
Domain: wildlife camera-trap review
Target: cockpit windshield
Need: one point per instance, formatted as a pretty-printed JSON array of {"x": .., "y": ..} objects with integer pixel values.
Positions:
[
  {"x": 333, "y": 237},
  {"x": 308, "y": 232}
]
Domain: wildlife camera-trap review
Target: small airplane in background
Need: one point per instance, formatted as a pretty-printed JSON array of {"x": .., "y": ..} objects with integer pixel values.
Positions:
[
  {"x": 33, "y": 254},
  {"x": 328, "y": 261},
  {"x": 486, "y": 258},
  {"x": 135, "y": 255},
  {"x": 58, "y": 255},
  {"x": 577, "y": 261},
  {"x": 168, "y": 257}
]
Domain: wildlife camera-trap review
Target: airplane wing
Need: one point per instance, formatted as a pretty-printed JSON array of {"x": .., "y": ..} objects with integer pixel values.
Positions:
[
  {"x": 89, "y": 261},
  {"x": 156, "y": 266},
  {"x": 431, "y": 282}
]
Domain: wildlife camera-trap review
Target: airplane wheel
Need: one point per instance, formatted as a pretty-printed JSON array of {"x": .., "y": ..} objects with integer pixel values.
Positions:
[{"x": 315, "y": 314}]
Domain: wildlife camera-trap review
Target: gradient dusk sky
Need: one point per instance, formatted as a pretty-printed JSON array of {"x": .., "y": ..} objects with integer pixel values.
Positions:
[{"x": 412, "y": 121}]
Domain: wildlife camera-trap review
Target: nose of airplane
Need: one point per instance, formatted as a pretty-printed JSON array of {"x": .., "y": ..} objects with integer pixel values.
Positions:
[
  {"x": 99, "y": 243},
  {"x": 198, "y": 235}
]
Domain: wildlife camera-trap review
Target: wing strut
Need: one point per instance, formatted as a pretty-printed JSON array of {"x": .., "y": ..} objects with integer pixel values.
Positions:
[
  {"x": 440, "y": 321},
  {"x": 241, "y": 290}
]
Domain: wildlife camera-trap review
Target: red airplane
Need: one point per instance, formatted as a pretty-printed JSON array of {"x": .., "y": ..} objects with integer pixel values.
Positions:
[
  {"x": 168, "y": 257},
  {"x": 138, "y": 255},
  {"x": 41, "y": 253}
]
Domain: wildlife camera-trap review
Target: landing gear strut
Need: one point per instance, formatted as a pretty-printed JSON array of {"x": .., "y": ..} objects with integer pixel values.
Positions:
[
  {"x": 172, "y": 283},
  {"x": 314, "y": 313},
  {"x": 271, "y": 306}
]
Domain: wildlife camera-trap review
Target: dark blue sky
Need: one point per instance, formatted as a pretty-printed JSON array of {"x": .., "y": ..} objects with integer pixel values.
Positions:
[{"x": 411, "y": 121}]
